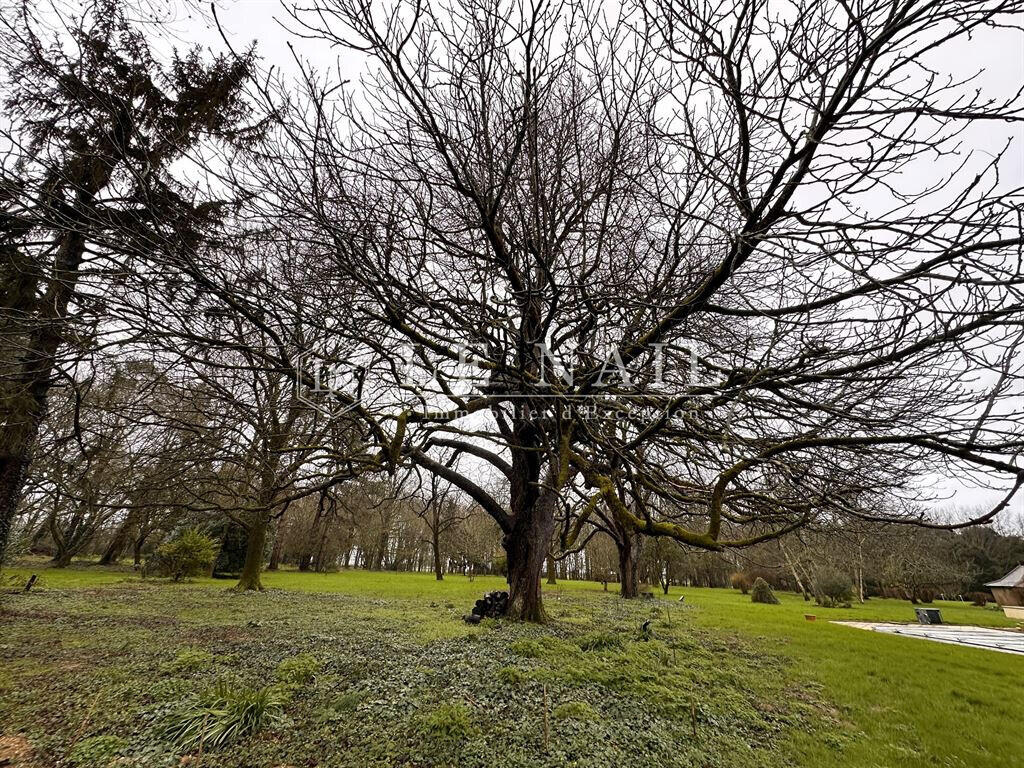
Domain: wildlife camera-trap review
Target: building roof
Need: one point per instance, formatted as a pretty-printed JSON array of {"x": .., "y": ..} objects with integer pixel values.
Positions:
[{"x": 1014, "y": 578}]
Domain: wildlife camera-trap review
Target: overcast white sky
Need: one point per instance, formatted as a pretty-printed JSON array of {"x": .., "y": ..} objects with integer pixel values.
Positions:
[{"x": 999, "y": 56}]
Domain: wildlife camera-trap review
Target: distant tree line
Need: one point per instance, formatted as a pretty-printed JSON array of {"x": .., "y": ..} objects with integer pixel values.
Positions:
[{"x": 125, "y": 498}]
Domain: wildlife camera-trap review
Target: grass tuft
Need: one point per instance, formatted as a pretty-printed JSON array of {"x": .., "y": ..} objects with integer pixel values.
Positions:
[
  {"x": 447, "y": 727},
  {"x": 225, "y": 716},
  {"x": 512, "y": 675},
  {"x": 600, "y": 641},
  {"x": 298, "y": 670},
  {"x": 528, "y": 649},
  {"x": 575, "y": 710},
  {"x": 189, "y": 660}
]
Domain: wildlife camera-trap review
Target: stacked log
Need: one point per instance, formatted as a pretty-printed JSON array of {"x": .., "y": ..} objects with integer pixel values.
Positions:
[{"x": 493, "y": 605}]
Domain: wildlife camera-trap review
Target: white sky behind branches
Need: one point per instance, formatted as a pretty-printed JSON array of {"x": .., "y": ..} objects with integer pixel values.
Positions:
[{"x": 997, "y": 56}]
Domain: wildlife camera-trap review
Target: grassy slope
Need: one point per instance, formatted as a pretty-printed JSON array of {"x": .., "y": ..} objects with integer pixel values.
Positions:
[
  {"x": 905, "y": 701},
  {"x": 879, "y": 700}
]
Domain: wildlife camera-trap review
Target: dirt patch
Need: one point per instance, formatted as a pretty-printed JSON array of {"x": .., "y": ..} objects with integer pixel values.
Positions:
[{"x": 16, "y": 752}]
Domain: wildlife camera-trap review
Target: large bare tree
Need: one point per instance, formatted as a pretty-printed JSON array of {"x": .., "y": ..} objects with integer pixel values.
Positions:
[{"x": 709, "y": 266}]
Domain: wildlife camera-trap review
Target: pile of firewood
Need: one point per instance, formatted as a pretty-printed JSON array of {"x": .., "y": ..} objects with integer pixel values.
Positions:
[{"x": 492, "y": 606}]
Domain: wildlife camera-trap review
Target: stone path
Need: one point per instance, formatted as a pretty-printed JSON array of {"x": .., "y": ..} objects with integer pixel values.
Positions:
[{"x": 1003, "y": 640}]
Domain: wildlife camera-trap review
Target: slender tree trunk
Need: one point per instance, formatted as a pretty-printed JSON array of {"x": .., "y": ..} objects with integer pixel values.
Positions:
[
  {"x": 627, "y": 568},
  {"x": 142, "y": 539},
  {"x": 551, "y": 570},
  {"x": 796, "y": 576},
  {"x": 137, "y": 546},
  {"x": 275, "y": 553},
  {"x": 257, "y": 539},
  {"x": 318, "y": 560},
  {"x": 860, "y": 571},
  {"x": 435, "y": 544},
  {"x": 309, "y": 542}
]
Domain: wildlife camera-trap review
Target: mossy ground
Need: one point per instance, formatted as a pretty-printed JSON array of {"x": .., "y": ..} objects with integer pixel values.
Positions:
[{"x": 388, "y": 675}]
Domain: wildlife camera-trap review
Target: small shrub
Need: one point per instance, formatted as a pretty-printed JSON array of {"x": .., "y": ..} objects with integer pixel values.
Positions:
[
  {"x": 529, "y": 649},
  {"x": 189, "y": 660},
  {"x": 762, "y": 592},
  {"x": 979, "y": 598},
  {"x": 224, "y": 717},
  {"x": 191, "y": 554},
  {"x": 96, "y": 751},
  {"x": 447, "y": 726},
  {"x": 298, "y": 670},
  {"x": 575, "y": 710},
  {"x": 834, "y": 588},
  {"x": 741, "y": 581},
  {"x": 926, "y": 595},
  {"x": 827, "y": 602},
  {"x": 600, "y": 641},
  {"x": 511, "y": 675}
]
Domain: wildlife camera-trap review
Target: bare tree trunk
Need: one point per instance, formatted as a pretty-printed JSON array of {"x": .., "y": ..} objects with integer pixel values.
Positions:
[
  {"x": 379, "y": 551},
  {"x": 62, "y": 552},
  {"x": 628, "y": 587},
  {"x": 34, "y": 375},
  {"x": 309, "y": 542},
  {"x": 435, "y": 544},
  {"x": 796, "y": 576},
  {"x": 860, "y": 571},
  {"x": 551, "y": 570},
  {"x": 275, "y": 553},
  {"x": 137, "y": 546},
  {"x": 527, "y": 546},
  {"x": 257, "y": 539},
  {"x": 12, "y": 476},
  {"x": 318, "y": 560},
  {"x": 62, "y": 558},
  {"x": 119, "y": 543},
  {"x": 525, "y": 562}
]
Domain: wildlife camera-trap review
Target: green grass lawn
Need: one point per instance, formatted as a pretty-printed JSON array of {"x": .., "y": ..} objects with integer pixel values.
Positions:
[{"x": 94, "y": 660}]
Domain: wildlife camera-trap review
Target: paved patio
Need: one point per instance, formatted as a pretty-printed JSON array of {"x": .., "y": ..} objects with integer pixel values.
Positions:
[{"x": 1004, "y": 640}]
